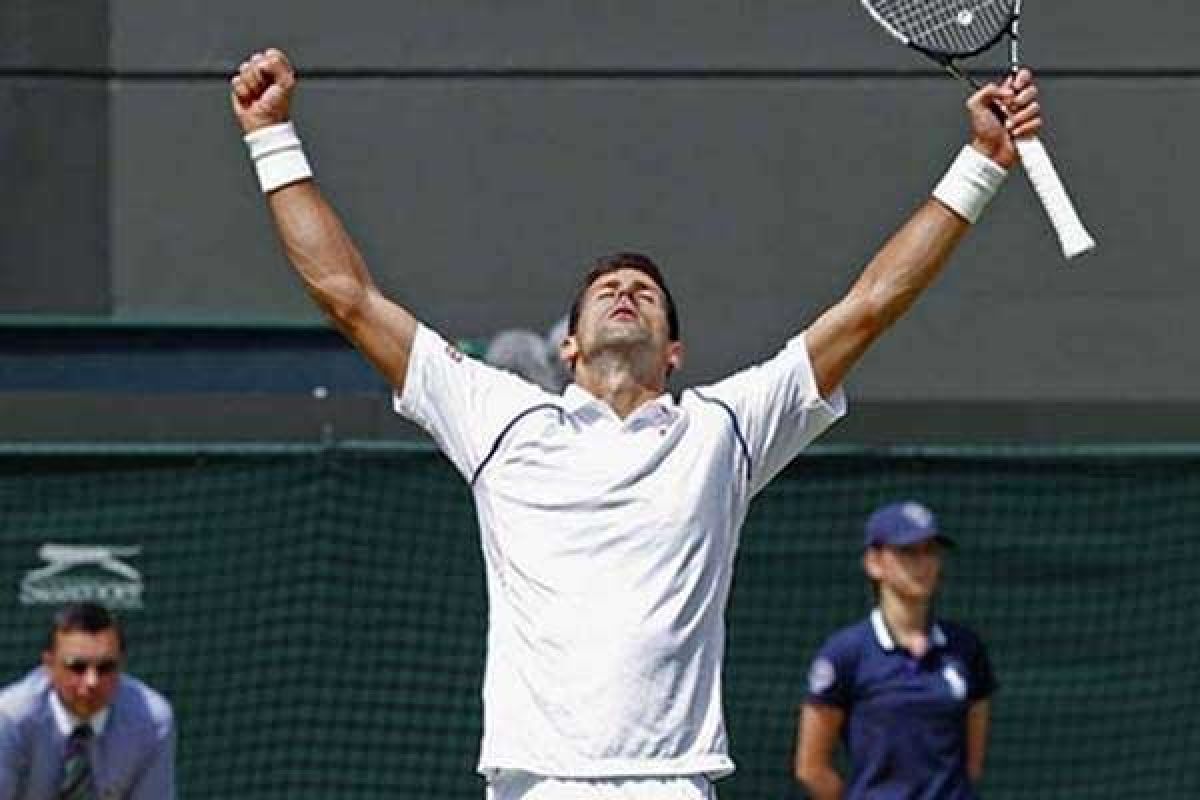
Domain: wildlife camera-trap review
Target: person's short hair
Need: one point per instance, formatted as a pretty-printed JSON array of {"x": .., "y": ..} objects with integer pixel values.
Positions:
[
  {"x": 636, "y": 261},
  {"x": 85, "y": 617}
]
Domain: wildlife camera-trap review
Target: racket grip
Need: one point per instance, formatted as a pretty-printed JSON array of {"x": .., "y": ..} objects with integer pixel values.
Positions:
[{"x": 1072, "y": 236}]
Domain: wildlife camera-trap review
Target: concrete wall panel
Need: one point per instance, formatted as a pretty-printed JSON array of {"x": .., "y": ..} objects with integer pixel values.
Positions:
[{"x": 698, "y": 35}]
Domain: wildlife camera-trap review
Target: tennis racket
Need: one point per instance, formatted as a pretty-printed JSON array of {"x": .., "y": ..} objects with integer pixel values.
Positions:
[{"x": 948, "y": 30}]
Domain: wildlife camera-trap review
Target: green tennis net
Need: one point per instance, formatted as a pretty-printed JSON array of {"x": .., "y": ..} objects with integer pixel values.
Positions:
[{"x": 317, "y": 615}]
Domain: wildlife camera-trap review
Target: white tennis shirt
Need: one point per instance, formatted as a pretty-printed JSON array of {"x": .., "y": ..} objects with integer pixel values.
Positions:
[{"x": 609, "y": 548}]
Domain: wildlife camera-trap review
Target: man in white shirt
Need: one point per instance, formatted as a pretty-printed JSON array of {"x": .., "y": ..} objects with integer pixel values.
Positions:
[{"x": 609, "y": 514}]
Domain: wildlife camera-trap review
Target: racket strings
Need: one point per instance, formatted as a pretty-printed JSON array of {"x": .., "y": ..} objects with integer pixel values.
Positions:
[{"x": 952, "y": 27}]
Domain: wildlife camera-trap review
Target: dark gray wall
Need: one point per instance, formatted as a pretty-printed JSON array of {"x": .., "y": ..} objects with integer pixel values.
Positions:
[
  {"x": 54, "y": 241},
  {"x": 482, "y": 152},
  {"x": 54, "y": 36}
]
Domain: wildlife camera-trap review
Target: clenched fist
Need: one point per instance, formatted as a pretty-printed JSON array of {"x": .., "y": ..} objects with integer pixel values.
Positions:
[{"x": 262, "y": 90}]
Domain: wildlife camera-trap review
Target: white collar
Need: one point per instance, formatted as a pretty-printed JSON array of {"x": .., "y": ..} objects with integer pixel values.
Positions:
[
  {"x": 882, "y": 635},
  {"x": 576, "y": 398},
  {"x": 68, "y": 722}
]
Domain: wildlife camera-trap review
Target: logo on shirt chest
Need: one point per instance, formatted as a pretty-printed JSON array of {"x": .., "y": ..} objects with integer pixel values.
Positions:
[{"x": 956, "y": 682}]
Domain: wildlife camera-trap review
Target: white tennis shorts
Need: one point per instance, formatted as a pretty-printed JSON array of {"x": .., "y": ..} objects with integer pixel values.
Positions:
[{"x": 510, "y": 785}]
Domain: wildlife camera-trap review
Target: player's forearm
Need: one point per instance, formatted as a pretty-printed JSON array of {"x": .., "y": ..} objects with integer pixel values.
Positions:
[
  {"x": 910, "y": 261},
  {"x": 319, "y": 249}
]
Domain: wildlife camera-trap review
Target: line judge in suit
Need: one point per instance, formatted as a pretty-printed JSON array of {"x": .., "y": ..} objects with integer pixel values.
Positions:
[{"x": 78, "y": 728}]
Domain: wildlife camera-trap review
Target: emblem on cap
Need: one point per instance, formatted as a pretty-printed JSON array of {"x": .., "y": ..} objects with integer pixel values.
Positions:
[{"x": 918, "y": 514}]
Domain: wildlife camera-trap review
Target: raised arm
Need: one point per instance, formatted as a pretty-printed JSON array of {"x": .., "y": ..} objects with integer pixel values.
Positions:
[
  {"x": 313, "y": 237},
  {"x": 914, "y": 256}
]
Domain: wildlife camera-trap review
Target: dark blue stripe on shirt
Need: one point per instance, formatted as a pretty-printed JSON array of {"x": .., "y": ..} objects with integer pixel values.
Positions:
[
  {"x": 737, "y": 429},
  {"x": 509, "y": 427}
]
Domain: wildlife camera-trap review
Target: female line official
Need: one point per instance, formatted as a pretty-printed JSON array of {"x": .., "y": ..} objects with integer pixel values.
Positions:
[{"x": 906, "y": 691}]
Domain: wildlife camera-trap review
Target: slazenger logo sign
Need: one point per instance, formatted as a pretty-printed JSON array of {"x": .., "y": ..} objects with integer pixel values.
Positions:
[{"x": 83, "y": 573}]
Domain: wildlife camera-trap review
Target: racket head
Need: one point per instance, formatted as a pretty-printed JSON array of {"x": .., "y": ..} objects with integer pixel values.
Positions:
[{"x": 945, "y": 29}]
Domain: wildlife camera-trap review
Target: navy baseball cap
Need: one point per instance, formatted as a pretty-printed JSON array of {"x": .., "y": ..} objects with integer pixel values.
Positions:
[{"x": 900, "y": 524}]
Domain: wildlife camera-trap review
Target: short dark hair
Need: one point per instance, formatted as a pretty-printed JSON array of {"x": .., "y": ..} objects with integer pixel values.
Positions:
[
  {"x": 611, "y": 263},
  {"x": 86, "y": 617}
]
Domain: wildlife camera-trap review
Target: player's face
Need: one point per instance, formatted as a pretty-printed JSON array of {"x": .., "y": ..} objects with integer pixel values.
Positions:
[
  {"x": 624, "y": 310},
  {"x": 911, "y": 571},
  {"x": 85, "y": 669}
]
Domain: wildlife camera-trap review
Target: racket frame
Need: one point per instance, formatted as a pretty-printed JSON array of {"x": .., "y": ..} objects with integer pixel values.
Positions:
[{"x": 1073, "y": 237}]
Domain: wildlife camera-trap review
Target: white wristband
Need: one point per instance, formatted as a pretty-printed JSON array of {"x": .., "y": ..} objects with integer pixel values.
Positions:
[
  {"x": 278, "y": 156},
  {"x": 970, "y": 183}
]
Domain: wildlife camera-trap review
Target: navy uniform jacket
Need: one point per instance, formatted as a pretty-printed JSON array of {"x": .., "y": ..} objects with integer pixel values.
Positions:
[{"x": 133, "y": 758}]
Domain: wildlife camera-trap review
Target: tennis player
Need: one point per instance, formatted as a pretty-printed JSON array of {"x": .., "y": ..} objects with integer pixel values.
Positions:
[
  {"x": 609, "y": 514},
  {"x": 908, "y": 693}
]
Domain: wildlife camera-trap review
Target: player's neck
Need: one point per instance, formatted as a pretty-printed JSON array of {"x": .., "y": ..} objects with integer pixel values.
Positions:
[{"x": 618, "y": 384}]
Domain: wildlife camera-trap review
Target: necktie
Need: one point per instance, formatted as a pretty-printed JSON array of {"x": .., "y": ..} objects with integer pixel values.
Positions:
[{"x": 77, "y": 767}]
